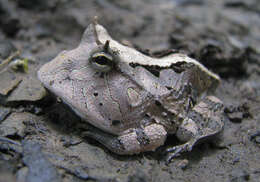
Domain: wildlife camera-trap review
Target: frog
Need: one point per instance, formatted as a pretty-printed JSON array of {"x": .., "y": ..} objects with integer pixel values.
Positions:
[{"x": 134, "y": 101}]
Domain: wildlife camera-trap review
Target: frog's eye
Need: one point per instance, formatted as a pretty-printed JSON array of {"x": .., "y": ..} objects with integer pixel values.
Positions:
[{"x": 102, "y": 61}]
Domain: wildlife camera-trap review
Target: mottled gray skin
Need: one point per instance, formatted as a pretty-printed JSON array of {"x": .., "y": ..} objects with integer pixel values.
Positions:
[{"x": 135, "y": 101}]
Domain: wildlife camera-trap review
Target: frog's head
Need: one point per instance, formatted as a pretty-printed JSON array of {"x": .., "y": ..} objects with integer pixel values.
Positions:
[{"x": 96, "y": 82}]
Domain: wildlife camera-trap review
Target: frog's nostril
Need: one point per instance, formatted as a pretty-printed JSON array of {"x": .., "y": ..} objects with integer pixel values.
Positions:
[{"x": 169, "y": 88}]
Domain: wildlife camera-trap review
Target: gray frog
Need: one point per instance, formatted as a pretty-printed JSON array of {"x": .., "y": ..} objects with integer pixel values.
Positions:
[{"x": 135, "y": 100}]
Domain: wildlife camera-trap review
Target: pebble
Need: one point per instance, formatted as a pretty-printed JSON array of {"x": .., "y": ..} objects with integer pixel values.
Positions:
[
  {"x": 255, "y": 137},
  {"x": 40, "y": 168},
  {"x": 239, "y": 175},
  {"x": 11, "y": 27},
  {"x": 4, "y": 112},
  {"x": 235, "y": 117},
  {"x": 14, "y": 124},
  {"x": 183, "y": 164},
  {"x": 6, "y": 48}
]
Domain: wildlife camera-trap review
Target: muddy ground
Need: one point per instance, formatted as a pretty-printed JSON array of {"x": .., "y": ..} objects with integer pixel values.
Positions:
[{"x": 41, "y": 140}]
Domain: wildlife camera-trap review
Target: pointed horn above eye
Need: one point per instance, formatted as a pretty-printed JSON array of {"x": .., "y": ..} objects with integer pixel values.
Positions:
[
  {"x": 106, "y": 46},
  {"x": 94, "y": 24}
]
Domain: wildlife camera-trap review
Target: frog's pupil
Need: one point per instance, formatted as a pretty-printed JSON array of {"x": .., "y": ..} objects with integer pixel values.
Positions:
[{"x": 102, "y": 60}]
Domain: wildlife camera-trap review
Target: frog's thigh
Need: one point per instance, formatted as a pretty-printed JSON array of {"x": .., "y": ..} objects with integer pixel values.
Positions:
[
  {"x": 208, "y": 116},
  {"x": 136, "y": 141},
  {"x": 205, "y": 119},
  {"x": 144, "y": 139}
]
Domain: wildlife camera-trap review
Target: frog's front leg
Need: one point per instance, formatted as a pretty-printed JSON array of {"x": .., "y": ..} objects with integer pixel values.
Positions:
[
  {"x": 133, "y": 142},
  {"x": 204, "y": 120}
]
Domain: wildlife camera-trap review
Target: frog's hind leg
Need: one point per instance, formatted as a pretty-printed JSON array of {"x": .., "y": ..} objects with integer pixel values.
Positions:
[
  {"x": 204, "y": 120},
  {"x": 133, "y": 142}
]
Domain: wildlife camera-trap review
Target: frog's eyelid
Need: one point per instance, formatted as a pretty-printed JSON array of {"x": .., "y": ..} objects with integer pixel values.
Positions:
[{"x": 101, "y": 54}]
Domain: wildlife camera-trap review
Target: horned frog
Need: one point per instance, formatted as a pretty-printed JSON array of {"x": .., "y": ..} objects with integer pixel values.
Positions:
[{"x": 133, "y": 100}]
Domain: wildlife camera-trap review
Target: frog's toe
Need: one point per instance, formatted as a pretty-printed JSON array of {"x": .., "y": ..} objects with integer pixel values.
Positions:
[{"x": 177, "y": 150}]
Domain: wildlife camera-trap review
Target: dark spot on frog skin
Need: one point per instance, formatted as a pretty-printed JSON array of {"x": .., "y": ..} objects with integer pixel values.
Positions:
[
  {"x": 158, "y": 103},
  {"x": 142, "y": 138},
  {"x": 95, "y": 94},
  {"x": 116, "y": 122},
  {"x": 169, "y": 88},
  {"x": 67, "y": 78}
]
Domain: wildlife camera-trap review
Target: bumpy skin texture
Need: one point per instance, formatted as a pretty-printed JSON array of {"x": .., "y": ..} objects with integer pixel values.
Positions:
[{"x": 136, "y": 100}]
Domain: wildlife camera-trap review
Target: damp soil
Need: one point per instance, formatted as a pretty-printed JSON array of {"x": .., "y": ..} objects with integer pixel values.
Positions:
[{"x": 41, "y": 140}]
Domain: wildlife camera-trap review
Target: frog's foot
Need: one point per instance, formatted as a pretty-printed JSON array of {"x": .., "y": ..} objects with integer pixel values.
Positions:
[
  {"x": 204, "y": 120},
  {"x": 177, "y": 150},
  {"x": 133, "y": 142}
]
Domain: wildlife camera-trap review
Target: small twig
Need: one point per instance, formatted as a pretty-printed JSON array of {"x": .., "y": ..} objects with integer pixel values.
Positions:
[{"x": 8, "y": 60}]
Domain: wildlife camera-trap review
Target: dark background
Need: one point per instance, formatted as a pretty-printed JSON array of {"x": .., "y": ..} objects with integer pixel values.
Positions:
[{"x": 39, "y": 141}]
